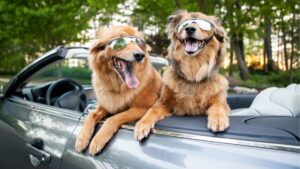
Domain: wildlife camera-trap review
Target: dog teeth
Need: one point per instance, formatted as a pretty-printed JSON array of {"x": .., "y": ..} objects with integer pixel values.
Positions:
[
  {"x": 201, "y": 43},
  {"x": 119, "y": 65}
]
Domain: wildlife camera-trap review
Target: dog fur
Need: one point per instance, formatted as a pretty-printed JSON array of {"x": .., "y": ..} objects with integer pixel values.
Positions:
[
  {"x": 113, "y": 95},
  {"x": 191, "y": 85}
]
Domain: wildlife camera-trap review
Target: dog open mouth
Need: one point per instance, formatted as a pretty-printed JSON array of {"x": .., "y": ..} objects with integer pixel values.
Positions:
[
  {"x": 193, "y": 45},
  {"x": 125, "y": 70}
]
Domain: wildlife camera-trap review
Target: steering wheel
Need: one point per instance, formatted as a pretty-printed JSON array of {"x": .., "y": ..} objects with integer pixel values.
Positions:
[{"x": 73, "y": 99}]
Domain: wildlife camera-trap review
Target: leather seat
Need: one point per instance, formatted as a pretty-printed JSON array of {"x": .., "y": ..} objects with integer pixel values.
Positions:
[{"x": 274, "y": 102}]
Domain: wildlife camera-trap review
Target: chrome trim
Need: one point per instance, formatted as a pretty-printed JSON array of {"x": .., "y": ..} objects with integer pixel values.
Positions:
[
  {"x": 273, "y": 146},
  {"x": 77, "y": 53}
]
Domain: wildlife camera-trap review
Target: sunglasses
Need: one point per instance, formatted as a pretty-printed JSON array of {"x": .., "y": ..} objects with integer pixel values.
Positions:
[
  {"x": 203, "y": 24},
  {"x": 122, "y": 42}
]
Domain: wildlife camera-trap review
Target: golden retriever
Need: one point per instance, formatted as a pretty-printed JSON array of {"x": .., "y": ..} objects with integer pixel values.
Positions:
[
  {"x": 192, "y": 85},
  {"x": 125, "y": 83}
]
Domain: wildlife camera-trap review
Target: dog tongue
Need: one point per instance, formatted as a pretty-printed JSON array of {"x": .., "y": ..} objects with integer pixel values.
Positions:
[
  {"x": 191, "y": 46},
  {"x": 130, "y": 79}
]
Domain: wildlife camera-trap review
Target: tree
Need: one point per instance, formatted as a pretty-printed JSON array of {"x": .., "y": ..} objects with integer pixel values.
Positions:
[
  {"x": 29, "y": 28},
  {"x": 289, "y": 28},
  {"x": 268, "y": 43},
  {"x": 208, "y": 7},
  {"x": 235, "y": 20}
]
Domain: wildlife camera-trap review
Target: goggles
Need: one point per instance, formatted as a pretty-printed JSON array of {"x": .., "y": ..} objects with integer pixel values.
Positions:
[
  {"x": 122, "y": 42},
  {"x": 203, "y": 24}
]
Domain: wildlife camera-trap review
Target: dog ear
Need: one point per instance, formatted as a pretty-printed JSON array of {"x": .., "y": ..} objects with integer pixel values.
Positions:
[
  {"x": 217, "y": 21},
  {"x": 220, "y": 33},
  {"x": 96, "y": 47},
  {"x": 97, "y": 43},
  {"x": 173, "y": 21}
]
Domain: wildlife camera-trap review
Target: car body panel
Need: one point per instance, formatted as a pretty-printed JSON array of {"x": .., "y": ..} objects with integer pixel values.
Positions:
[
  {"x": 238, "y": 101},
  {"x": 23, "y": 122},
  {"x": 165, "y": 151}
]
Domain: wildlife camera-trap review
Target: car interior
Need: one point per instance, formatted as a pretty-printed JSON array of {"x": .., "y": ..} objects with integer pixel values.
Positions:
[
  {"x": 63, "y": 93},
  {"x": 271, "y": 116}
]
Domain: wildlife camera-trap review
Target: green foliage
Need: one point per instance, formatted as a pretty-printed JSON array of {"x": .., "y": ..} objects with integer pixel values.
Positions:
[
  {"x": 29, "y": 28},
  {"x": 79, "y": 74},
  {"x": 261, "y": 81},
  {"x": 155, "y": 13}
]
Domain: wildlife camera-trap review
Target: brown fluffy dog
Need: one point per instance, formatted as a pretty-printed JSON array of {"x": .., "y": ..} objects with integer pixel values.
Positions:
[
  {"x": 192, "y": 85},
  {"x": 124, "y": 82}
]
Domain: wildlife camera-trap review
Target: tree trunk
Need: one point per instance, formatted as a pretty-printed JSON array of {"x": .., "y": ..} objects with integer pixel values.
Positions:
[
  {"x": 278, "y": 47},
  {"x": 264, "y": 59},
  {"x": 284, "y": 46},
  {"x": 178, "y": 5},
  {"x": 231, "y": 58},
  {"x": 268, "y": 43},
  {"x": 238, "y": 48},
  {"x": 292, "y": 52},
  {"x": 203, "y": 6},
  {"x": 241, "y": 45}
]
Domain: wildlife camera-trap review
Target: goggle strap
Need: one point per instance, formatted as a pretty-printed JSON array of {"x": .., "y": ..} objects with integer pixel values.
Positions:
[
  {"x": 102, "y": 47},
  {"x": 218, "y": 37},
  {"x": 208, "y": 39}
]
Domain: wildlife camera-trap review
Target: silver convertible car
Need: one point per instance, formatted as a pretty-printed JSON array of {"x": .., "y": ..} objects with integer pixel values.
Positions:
[{"x": 43, "y": 107}]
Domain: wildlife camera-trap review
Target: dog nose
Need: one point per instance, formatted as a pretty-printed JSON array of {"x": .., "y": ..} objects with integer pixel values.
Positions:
[
  {"x": 190, "y": 30},
  {"x": 139, "y": 56}
]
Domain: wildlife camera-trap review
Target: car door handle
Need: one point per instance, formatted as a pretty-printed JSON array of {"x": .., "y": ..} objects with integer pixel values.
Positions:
[{"x": 39, "y": 154}]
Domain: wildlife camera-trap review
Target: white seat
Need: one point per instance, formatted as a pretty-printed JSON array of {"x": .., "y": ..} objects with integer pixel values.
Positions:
[{"x": 274, "y": 102}]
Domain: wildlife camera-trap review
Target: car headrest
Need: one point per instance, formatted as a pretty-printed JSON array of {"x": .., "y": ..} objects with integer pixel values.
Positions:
[
  {"x": 275, "y": 102},
  {"x": 294, "y": 87}
]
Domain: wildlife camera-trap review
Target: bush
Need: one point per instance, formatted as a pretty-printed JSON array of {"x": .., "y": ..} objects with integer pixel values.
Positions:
[{"x": 261, "y": 81}]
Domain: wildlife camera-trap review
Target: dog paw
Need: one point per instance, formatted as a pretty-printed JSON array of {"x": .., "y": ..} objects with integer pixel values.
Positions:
[
  {"x": 142, "y": 129},
  {"x": 96, "y": 146},
  {"x": 217, "y": 123},
  {"x": 81, "y": 143}
]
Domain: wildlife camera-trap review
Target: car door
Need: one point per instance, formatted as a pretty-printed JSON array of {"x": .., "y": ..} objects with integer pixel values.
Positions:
[{"x": 33, "y": 135}]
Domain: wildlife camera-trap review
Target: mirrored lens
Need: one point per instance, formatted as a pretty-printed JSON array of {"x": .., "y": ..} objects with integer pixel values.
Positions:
[
  {"x": 121, "y": 43},
  {"x": 183, "y": 25},
  {"x": 118, "y": 44},
  {"x": 203, "y": 24}
]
